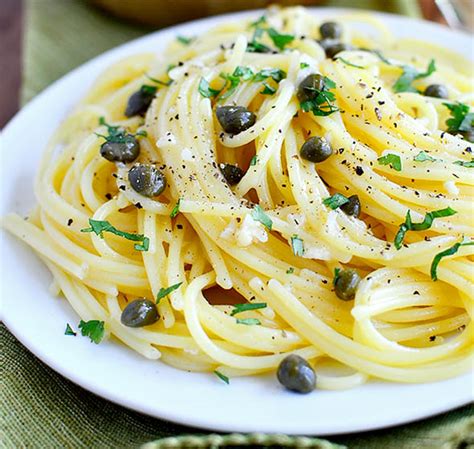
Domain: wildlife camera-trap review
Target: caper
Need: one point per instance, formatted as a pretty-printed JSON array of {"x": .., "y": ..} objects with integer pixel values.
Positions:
[
  {"x": 139, "y": 313},
  {"x": 316, "y": 149},
  {"x": 333, "y": 50},
  {"x": 139, "y": 102},
  {"x": 126, "y": 150},
  {"x": 235, "y": 119},
  {"x": 468, "y": 135},
  {"x": 310, "y": 87},
  {"x": 232, "y": 173},
  {"x": 437, "y": 91},
  {"x": 331, "y": 30},
  {"x": 296, "y": 374},
  {"x": 352, "y": 207},
  {"x": 346, "y": 284},
  {"x": 147, "y": 180}
]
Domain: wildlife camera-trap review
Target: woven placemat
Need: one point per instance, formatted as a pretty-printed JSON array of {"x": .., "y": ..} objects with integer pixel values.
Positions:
[{"x": 40, "y": 408}]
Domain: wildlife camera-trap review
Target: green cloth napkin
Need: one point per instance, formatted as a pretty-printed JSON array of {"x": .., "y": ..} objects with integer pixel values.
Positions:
[{"x": 41, "y": 409}]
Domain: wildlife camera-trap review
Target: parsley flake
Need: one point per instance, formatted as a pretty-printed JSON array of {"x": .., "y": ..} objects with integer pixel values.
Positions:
[
  {"x": 297, "y": 245},
  {"x": 163, "y": 292},
  {"x": 424, "y": 225},
  {"x": 184, "y": 40},
  {"x": 248, "y": 321},
  {"x": 335, "y": 201},
  {"x": 336, "y": 275},
  {"x": 69, "y": 330},
  {"x": 391, "y": 159},
  {"x": 467, "y": 164},
  {"x": 461, "y": 119},
  {"x": 422, "y": 156},
  {"x": 410, "y": 74},
  {"x": 345, "y": 61},
  {"x": 206, "y": 91},
  {"x": 258, "y": 214},
  {"x": 222, "y": 377},
  {"x": 321, "y": 103},
  {"x": 268, "y": 90},
  {"x": 94, "y": 329},
  {"x": 280, "y": 40},
  {"x": 175, "y": 210},
  {"x": 448, "y": 252},
  {"x": 254, "y": 160},
  {"x": 98, "y": 227},
  {"x": 304, "y": 65},
  {"x": 238, "y": 308}
]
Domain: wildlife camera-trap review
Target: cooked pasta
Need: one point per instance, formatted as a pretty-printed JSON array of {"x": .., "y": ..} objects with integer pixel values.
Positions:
[{"x": 328, "y": 214}]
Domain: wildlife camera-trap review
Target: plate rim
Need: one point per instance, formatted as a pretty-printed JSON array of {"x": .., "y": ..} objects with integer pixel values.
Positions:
[{"x": 59, "y": 366}]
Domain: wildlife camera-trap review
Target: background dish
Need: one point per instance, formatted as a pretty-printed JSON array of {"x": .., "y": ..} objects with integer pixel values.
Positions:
[{"x": 256, "y": 404}]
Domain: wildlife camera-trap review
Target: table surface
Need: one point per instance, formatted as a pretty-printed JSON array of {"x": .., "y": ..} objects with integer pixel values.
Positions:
[{"x": 11, "y": 27}]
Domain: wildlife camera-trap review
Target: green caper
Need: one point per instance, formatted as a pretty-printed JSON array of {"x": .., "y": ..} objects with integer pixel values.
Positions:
[
  {"x": 139, "y": 313},
  {"x": 316, "y": 149},
  {"x": 436, "y": 91},
  {"x": 331, "y": 30},
  {"x": 333, "y": 50},
  {"x": 139, "y": 102},
  {"x": 232, "y": 173},
  {"x": 468, "y": 135},
  {"x": 296, "y": 374},
  {"x": 126, "y": 150},
  {"x": 346, "y": 284},
  {"x": 147, "y": 180},
  {"x": 352, "y": 207},
  {"x": 310, "y": 87},
  {"x": 235, "y": 119}
]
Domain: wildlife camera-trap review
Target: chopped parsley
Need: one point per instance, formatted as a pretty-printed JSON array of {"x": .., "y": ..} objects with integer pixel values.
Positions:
[
  {"x": 461, "y": 119},
  {"x": 297, "y": 245},
  {"x": 467, "y": 164},
  {"x": 94, "y": 329},
  {"x": 117, "y": 134},
  {"x": 268, "y": 90},
  {"x": 246, "y": 73},
  {"x": 184, "y": 40},
  {"x": 280, "y": 40},
  {"x": 422, "y": 156},
  {"x": 335, "y": 201},
  {"x": 258, "y": 214},
  {"x": 276, "y": 74},
  {"x": 322, "y": 102},
  {"x": 424, "y": 225},
  {"x": 222, "y": 377},
  {"x": 233, "y": 81},
  {"x": 410, "y": 74},
  {"x": 248, "y": 321},
  {"x": 157, "y": 81},
  {"x": 447, "y": 252},
  {"x": 304, "y": 65},
  {"x": 166, "y": 291},
  {"x": 238, "y": 308},
  {"x": 254, "y": 160},
  {"x": 69, "y": 330},
  {"x": 336, "y": 275},
  {"x": 345, "y": 61},
  {"x": 391, "y": 159},
  {"x": 98, "y": 227},
  {"x": 175, "y": 210},
  {"x": 206, "y": 91}
]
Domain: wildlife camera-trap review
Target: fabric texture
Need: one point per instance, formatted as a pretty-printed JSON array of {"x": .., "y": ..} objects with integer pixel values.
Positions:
[{"x": 41, "y": 409}]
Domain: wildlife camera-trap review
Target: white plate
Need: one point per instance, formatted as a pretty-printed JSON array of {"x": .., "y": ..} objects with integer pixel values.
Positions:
[{"x": 116, "y": 373}]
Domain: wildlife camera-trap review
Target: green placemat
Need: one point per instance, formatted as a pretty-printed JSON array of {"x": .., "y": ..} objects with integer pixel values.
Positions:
[{"x": 41, "y": 409}]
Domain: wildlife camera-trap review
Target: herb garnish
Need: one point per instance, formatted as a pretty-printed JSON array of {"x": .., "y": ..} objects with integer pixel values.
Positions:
[
  {"x": 268, "y": 90},
  {"x": 248, "y": 321},
  {"x": 425, "y": 224},
  {"x": 335, "y": 201},
  {"x": 461, "y": 119},
  {"x": 345, "y": 61},
  {"x": 297, "y": 245},
  {"x": 206, "y": 91},
  {"x": 336, "y": 275},
  {"x": 238, "y": 308},
  {"x": 410, "y": 74},
  {"x": 254, "y": 160},
  {"x": 422, "y": 156},
  {"x": 175, "y": 210},
  {"x": 303, "y": 65},
  {"x": 279, "y": 40},
  {"x": 467, "y": 164},
  {"x": 222, "y": 377},
  {"x": 321, "y": 103},
  {"x": 94, "y": 329},
  {"x": 258, "y": 214},
  {"x": 98, "y": 227},
  {"x": 391, "y": 159},
  {"x": 117, "y": 134},
  {"x": 445, "y": 253},
  {"x": 69, "y": 330},
  {"x": 163, "y": 292},
  {"x": 157, "y": 81},
  {"x": 185, "y": 40}
]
